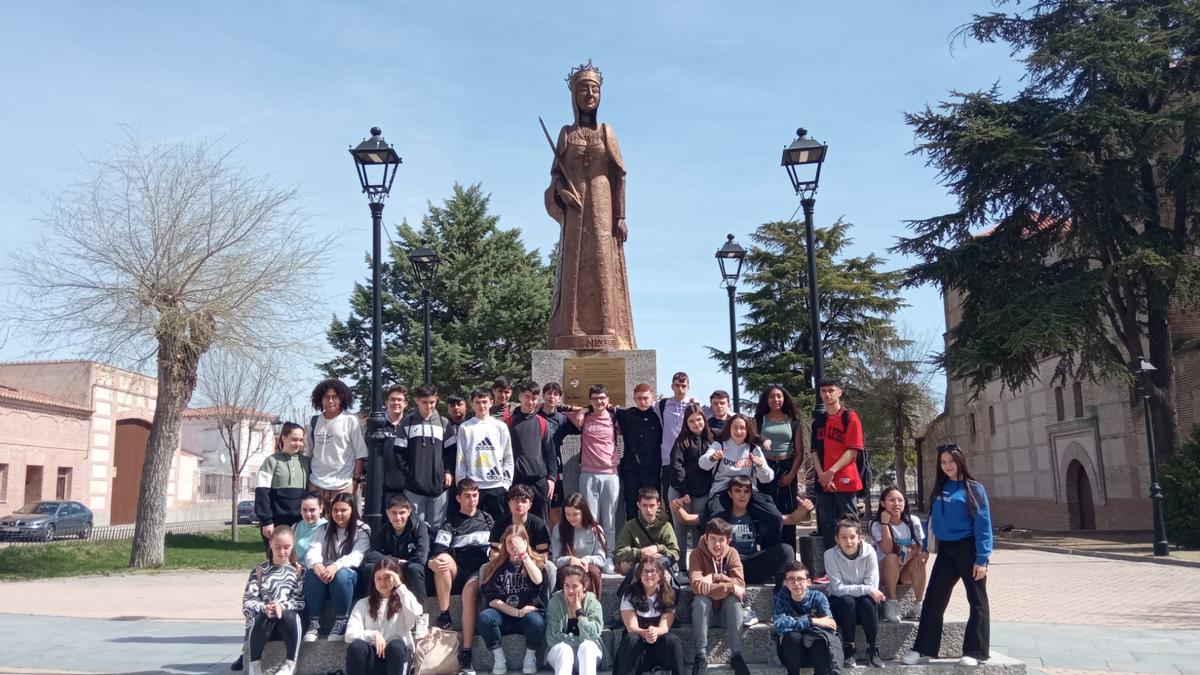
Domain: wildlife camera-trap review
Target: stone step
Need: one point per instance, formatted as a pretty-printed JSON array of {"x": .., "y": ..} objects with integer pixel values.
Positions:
[
  {"x": 758, "y": 648},
  {"x": 320, "y": 657}
]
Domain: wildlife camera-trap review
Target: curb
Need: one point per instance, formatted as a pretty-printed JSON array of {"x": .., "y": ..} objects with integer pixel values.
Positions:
[{"x": 1127, "y": 557}]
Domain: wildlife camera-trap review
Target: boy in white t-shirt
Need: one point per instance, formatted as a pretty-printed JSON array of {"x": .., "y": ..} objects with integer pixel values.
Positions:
[{"x": 335, "y": 443}]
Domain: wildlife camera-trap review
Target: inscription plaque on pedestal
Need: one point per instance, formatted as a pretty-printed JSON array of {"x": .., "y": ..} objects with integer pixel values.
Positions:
[{"x": 580, "y": 374}]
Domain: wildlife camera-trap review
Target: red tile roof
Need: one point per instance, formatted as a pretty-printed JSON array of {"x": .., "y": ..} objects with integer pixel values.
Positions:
[{"x": 16, "y": 395}]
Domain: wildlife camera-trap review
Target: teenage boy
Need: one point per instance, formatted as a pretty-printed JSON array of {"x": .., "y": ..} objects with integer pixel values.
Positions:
[
  {"x": 804, "y": 626},
  {"x": 719, "y": 590},
  {"x": 649, "y": 535},
  {"x": 534, "y": 463},
  {"x": 460, "y": 549},
  {"x": 598, "y": 480},
  {"x": 502, "y": 391},
  {"x": 727, "y": 460},
  {"x": 456, "y": 410},
  {"x": 485, "y": 455},
  {"x": 335, "y": 442},
  {"x": 520, "y": 501},
  {"x": 718, "y": 405},
  {"x": 556, "y": 425},
  {"x": 406, "y": 540},
  {"x": 396, "y": 399},
  {"x": 423, "y": 456},
  {"x": 837, "y": 438},
  {"x": 642, "y": 431},
  {"x": 670, "y": 412},
  {"x": 761, "y": 564}
]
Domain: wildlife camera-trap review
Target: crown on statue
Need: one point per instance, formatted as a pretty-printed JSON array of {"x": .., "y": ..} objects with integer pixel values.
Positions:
[{"x": 582, "y": 72}]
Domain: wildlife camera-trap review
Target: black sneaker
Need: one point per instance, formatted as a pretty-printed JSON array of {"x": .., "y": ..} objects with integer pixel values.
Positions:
[
  {"x": 699, "y": 666},
  {"x": 444, "y": 622},
  {"x": 849, "y": 661},
  {"x": 873, "y": 657},
  {"x": 464, "y": 662},
  {"x": 237, "y": 665},
  {"x": 739, "y": 665}
]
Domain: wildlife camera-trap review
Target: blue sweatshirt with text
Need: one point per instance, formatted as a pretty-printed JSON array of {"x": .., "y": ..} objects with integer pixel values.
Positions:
[{"x": 952, "y": 520}]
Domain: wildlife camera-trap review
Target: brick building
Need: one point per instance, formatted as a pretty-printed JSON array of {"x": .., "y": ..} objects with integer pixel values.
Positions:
[{"x": 1062, "y": 456}]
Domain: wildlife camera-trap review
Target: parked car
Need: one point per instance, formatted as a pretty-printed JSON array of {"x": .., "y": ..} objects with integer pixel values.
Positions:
[
  {"x": 245, "y": 513},
  {"x": 46, "y": 520}
]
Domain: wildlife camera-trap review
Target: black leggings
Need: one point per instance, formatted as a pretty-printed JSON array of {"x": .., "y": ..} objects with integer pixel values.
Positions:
[
  {"x": 955, "y": 560},
  {"x": 850, "y": 612},
  {"x": 783, "y": 496},
  {"x": 824, "y": 655},
  {"x": 361, "y": 658},
  {"x": 635, "y": 655},
  {"x": 286, "y": 628}
]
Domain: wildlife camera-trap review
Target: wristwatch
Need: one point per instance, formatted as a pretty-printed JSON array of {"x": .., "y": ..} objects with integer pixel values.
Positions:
[{"x": 579, "y": 613}]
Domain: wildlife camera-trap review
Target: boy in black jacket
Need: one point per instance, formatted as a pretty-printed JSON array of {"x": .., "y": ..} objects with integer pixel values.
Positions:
[
  {"x": 534, "y": 461},
  {"x": 407, "y": 540},
  {"x": 423, "y": 457},
  {"x": 641, "y": 463}
]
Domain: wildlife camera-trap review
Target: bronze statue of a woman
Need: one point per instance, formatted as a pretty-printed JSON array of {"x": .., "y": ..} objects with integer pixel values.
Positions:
[{"x": 590, "y": 309}]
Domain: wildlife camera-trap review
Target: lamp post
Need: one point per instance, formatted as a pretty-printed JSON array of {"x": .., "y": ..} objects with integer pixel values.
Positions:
[
  {"x": 377, "y": 163},
  {"x": 798, "y": 158},
  {"x": 730, "y": 257},
  {"x": 425, "y": 263},
  {"x": 1141, "y": 369}
]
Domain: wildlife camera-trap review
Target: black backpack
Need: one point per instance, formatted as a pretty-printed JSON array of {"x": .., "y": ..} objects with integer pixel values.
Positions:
[{"x": 862, "y": 460}]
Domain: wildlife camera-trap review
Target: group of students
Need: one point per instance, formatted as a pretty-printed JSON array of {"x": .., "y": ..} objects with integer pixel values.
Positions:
[{"x": 511, "y": 537}]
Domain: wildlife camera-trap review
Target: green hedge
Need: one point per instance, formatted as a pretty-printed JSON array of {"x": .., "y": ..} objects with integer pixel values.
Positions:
[{"x": 1181, "y": 490}]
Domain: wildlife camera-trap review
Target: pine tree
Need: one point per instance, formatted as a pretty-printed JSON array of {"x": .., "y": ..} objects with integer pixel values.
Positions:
[
  {"x": 1084, "y": 181},
  {"x": 490, "y": 300},
  {"x": 857, "y": 301}
]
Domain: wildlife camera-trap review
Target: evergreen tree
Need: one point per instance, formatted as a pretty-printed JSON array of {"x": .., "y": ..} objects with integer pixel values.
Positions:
[
  {"x": 857, "y": 302},
  {"x": 1085, "y": 180},
  {"x": 490, "y": 300}
]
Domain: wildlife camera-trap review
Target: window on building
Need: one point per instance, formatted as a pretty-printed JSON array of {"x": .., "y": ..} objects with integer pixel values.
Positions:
[
  {"x": 1077, "y": 392},
  {"x": 971, "y": 421},
  {"x": 3, "y": 482},
  {"x": 62, "y": 487},
  {"x": 992, "y": 420},
  {"x": 1059, "y": 407}
]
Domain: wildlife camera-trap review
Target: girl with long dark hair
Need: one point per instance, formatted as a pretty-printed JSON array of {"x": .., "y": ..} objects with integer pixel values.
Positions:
[
  {"x": 962, "y": 523},
  {"x": 648, "y": 612},
  {"x": 333, "y": 558},
  {"x": 737, "y": 451},
  {"x": 690, "y": 484},
  {"x": 783, "y": 446},
  {"x": 280, "y": 482},
  {"x": 380, "y": 628},
  {"x": 513, "y": 585},
  {"x": 578, "y": 540},
  {"x": 899, "y": 543},
  {"x": 273, "y": 598},
  {"x": 574, "y": 623}
]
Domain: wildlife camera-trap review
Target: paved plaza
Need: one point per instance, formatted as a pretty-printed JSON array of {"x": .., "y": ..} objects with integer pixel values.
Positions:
[{"x": 1061, "y": 614}]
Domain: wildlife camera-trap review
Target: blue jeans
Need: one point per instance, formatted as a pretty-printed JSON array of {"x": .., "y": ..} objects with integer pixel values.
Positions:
[
  {"x": 341, "y": 588},
  {"x": 493, "y": 623}
]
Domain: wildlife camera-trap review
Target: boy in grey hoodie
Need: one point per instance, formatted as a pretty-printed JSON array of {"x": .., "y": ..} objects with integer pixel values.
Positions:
[{"x": 853, "y": 590}]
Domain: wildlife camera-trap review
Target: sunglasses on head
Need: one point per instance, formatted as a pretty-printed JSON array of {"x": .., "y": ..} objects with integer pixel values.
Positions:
[{"x": 949, "y": 447}]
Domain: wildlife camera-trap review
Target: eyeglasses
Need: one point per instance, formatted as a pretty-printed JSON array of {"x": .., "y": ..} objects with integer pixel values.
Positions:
[{"x": 796, "y": 580}]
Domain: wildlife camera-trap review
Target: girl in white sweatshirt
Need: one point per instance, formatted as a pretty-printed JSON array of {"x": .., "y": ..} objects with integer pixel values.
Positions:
[
  {"x": 853, "y": 590},
  {"x": 380, "y": 628},
  {"x": 738, "y": 452},
  {"x": 333, "y": 558}
]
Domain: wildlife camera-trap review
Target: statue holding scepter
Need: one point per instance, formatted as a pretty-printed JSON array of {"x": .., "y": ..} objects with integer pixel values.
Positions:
[{"x": 590, "y": 309}]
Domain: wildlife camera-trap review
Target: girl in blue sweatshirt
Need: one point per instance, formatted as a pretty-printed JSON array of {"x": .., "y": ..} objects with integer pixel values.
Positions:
[{"x": 960, "y": 520}]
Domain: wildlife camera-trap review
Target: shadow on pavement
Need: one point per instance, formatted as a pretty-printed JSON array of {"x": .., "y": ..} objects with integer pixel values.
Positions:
[{"x": 181, "y": 639}]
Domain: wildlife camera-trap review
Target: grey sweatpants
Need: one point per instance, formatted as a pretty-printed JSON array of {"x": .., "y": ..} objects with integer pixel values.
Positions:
[
  {"x": 602, "y": 492},
  {"x": 430, "y": 509},
  {"x": 728, "y": 616}
]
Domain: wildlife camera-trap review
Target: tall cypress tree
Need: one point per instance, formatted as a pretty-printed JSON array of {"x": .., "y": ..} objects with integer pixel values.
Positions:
[
  {"x": 1085, "y": 181},
  {"x": 857, "y": 301},
  {"x": 490, "y": 301}
]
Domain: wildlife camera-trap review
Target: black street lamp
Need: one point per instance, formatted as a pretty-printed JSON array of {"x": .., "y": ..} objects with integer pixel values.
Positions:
[
  {"x": 1141, "y": 369},
  {"x": 798, "y": 158},
  {"x": 425, "y": 262},
  {"x": 730, "y": 257},
  {"x": 377, "y": 163}
]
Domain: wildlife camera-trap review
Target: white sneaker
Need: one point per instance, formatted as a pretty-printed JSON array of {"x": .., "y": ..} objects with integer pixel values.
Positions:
[
  {"x": 255, "y": 668},
  {"x": 288, "y": 668},
  {"x": 969, "y": 661},
  {"x": 530, "y": 665},
  {"x": 912, "y": 659},
  {"x": 314, "y": 628},
  {"x": 891, "y": 612},
  {"x": 499, "y": 663},
  {"x": 422, "y": 627},
  {"x": 608, "y": 567}
]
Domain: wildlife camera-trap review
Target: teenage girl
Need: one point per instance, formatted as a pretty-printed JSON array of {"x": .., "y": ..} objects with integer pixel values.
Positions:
[
  {"x": 648, "y": 612},
  {"x": 775, "y": 416},
  {"x": 579, "y": 540},
  {"x": 333, "y": 558},
  {"x": 380, "y": 628},
  {"x": 690, "y": 484},
  {"x": 899, "y": 544},
  {"x": 513, "y": 585},
  {"x": 273, "y": 597}
]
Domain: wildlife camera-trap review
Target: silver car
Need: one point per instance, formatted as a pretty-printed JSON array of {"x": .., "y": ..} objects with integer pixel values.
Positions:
[{"x": 44, "y": 521}]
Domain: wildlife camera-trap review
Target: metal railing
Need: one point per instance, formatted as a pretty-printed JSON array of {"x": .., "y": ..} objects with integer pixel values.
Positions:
[{"x": 118, "y": 532}]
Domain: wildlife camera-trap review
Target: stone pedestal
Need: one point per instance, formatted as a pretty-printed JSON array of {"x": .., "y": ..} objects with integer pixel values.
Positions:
[{"x": 640, "y": 366}]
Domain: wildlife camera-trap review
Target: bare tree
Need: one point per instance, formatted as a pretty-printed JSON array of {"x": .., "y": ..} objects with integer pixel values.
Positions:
[
  {"x": 890, "y": 378},
  {"x": 163, "y": 252},
  {"x": 244, "y": 394}
]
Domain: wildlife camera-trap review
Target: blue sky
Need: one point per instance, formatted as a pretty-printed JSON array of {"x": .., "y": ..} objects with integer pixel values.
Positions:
[{"x": 703, "y": 96}]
